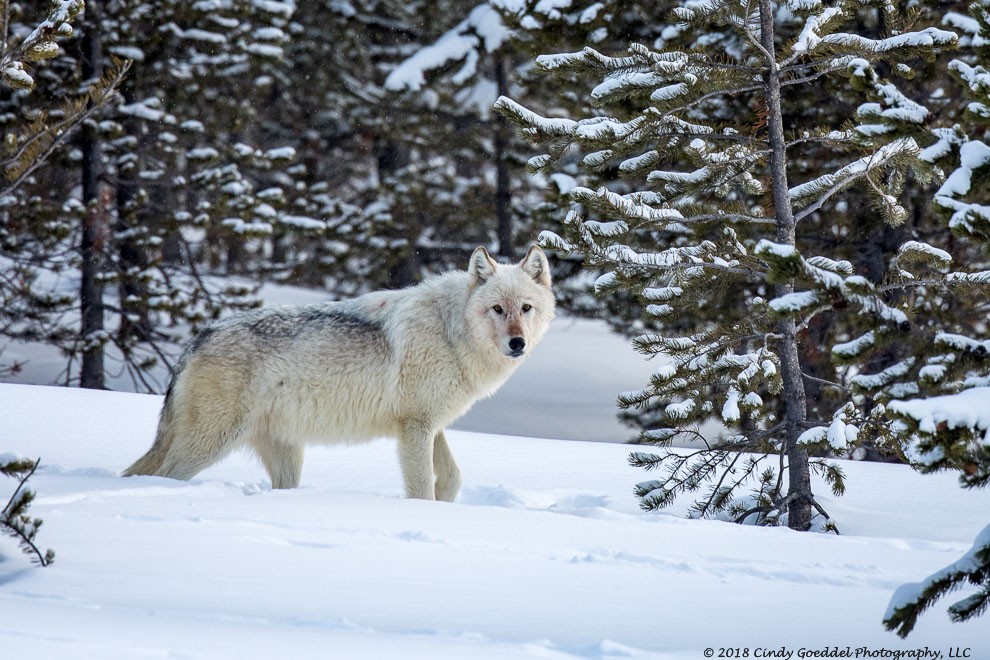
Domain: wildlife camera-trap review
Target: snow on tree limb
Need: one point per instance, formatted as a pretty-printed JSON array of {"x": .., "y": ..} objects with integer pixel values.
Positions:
[
  {"x": 39, "y": 44},
  {"x": 909, "y": 601},
  {"x": 814, "y": 25},
  {"x": 537, "y": 125},
  {"x": 829, "y": 184},
  {"x": 482, "y": 31},
  {"x": 927, "y": 38}
]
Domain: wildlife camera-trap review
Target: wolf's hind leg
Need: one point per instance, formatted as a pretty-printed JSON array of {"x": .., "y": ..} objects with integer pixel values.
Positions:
[
  {"x": 448, "y": 474},
  {"x": 282, "y": 460}
]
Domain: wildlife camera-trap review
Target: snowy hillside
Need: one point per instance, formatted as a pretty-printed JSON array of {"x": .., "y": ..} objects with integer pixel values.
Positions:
[{"x": 544, "y": 555}]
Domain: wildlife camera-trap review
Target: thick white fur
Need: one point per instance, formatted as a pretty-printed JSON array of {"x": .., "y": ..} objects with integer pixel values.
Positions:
[{"x": 401, "y": 364}]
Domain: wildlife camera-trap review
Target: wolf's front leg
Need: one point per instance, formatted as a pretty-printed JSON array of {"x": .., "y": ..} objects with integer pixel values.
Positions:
[
  {"x": 448, "y": 474},
  {"x": 416, "y": 457}
]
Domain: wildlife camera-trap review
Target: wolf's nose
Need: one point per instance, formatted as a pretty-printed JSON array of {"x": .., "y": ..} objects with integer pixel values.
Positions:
[{"x": 516, "y": 344}]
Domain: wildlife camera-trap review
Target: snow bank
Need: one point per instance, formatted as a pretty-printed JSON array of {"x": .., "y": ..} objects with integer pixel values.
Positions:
[{"x": 544, "y": 555}]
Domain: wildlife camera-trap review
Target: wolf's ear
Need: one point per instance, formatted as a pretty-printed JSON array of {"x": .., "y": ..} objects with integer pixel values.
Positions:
[
  {"x": 535, "y": 265},
  {"x": 482, "y": 266}
]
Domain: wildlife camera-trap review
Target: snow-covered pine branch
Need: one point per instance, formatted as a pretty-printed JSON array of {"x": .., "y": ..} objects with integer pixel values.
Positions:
[
  {"x": 911, "y": 600},
  {"x": 968, "y": 216},
  {"x": 908, "y": 44},
  {"x": 635, "y": 208},
  {"x": 40, "y": 44},
  {"x": 947, "y": 432},
  {"x": 481, "y": 32},
  {"x": 811, "y": 195}
]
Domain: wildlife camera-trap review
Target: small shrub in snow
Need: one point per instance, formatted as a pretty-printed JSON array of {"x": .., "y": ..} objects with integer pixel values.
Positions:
[{"x": 14, "y": 519}]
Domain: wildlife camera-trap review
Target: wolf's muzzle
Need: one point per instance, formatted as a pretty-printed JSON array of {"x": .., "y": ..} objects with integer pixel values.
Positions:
[{"x": 517, "y": 345}]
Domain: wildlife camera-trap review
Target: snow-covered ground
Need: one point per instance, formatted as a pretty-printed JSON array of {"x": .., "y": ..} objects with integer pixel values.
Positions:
[{"x": 544, "y": 555}]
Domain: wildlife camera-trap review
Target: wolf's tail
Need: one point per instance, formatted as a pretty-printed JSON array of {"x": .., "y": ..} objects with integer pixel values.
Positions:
[{"x": 152, "y": 461}]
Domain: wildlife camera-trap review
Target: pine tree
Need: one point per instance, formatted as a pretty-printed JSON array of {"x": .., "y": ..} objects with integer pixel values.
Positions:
[
  {"x": 32, "y": 134},
  {"x": 28, "y": 145},
  {"x": 607, "y": 26},
  {"x": 193, "y": 194},
  {"x": 708, "y": 218},
  {"x": 183, "y": 185},
  {"x": 330, "y": 106},
  {"x": 463, "y": 71},
  {"x": 939, "y": 399}
]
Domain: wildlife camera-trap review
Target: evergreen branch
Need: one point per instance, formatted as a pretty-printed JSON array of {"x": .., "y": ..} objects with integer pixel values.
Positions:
[
  {"x": 830, "y": 525},
  {"x": 818, "y": 139},
  {"x": 689, "y": 432},
  {"x": 717, "y": 93},
  {"x": 786, "y": 501},
  {"x": 732, "y": 137},
  {"x": 826, "y": 186},
  {"x": 51, "y": 137},
  {"x": 835, "y": 189},
  {"x": 733, "y": 217},
  {"x": 705, "y": 61},
  {"x": 911, "y": 284},
  {"x": 829, "y": 306},
  {"x": 13, "y": 518},
  {"x": 911, "y": 600},
  {"x": 825, "y": 382},
  {"x": 812, "y": 77},
  {"x": 670, "y": 268},
  {"x": 717, "y": 488},
  {"x": 746, "y": 513},
  {"x": 38, "y": 45}
]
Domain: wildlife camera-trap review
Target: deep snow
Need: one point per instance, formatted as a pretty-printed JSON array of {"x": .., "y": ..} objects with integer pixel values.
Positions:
[{"x": 545, "y": 555}]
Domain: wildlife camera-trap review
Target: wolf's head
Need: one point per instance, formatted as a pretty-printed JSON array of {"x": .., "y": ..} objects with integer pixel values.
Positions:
[{"x": 511, "y": 305}]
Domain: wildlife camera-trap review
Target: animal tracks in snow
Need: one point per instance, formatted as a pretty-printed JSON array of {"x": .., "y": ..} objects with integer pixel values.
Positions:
[
  {"x": 578, "y": 504},
  {"x": 726, "y": 568}
]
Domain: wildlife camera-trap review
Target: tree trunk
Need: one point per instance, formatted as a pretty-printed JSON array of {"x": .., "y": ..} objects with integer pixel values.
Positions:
[
  {"x": 392, "y": 157},
  {"x": 503, "y": 193},
  {"x": 95, "y": 228},
  {"x": 795, "y": 404}
]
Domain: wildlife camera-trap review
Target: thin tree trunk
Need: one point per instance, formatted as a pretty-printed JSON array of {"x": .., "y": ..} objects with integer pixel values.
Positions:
[
  {"x": 503, "y": 193},
  {"x": 391, "y": 158},
  {"x": 795, "y": 403},
  {"x": 95, "y": 222}
]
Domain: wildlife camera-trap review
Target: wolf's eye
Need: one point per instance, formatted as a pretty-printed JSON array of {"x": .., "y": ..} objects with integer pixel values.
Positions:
[
  {"x": 527, "y": 307},
  {"x": 497, "y": 309}
]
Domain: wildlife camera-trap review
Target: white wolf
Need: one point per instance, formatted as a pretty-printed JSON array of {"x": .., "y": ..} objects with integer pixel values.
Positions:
[{"x": 401, "y": 364}]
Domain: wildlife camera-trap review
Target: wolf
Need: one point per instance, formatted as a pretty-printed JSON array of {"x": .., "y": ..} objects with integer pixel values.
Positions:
[{"x": 402, "y": 364}]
